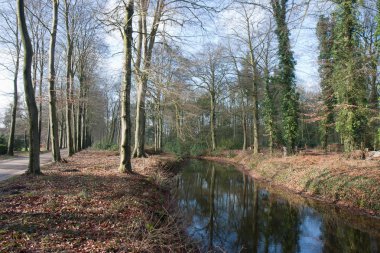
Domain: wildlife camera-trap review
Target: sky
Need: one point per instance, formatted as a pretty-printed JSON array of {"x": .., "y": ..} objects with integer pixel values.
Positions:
[{"x": 304, "y": 44}]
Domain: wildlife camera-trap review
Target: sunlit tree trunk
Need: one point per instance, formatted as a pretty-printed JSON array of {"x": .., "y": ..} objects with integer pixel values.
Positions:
[
  {"x": 125, "y": 149},
  {"x": 244, "y": 123},
  {"x": 144, "y": 53},
  {"x": 255, "y": 119},
  {"x": 42, "y": 65},
  {"x": 53, "y": 119},
  {"x": 34, "y": 143},
  {"x": 69, "y": 83}
]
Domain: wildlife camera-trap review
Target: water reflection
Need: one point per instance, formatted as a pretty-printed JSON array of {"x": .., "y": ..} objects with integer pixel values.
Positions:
[{"x": 229, "y": 212}]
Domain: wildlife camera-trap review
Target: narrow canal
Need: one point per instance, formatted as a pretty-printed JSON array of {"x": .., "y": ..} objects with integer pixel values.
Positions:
[{"x": 228, "y": 212}]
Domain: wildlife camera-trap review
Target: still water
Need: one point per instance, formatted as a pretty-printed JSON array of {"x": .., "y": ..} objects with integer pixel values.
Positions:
[{"x": 229, "y": 212}]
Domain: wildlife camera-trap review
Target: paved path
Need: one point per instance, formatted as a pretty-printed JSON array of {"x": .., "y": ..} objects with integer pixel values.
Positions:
[{"x": 19, "y": 164}]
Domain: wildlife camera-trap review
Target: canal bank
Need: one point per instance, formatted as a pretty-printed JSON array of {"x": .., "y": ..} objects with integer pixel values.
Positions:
[{"x": 333, "y": 179}]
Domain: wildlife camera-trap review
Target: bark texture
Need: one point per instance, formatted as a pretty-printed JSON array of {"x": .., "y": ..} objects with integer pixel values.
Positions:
[
  {"x": 34, "y": 142},
  {"x": 53, "y": 119},
  {"x": 125, "y": 149}
]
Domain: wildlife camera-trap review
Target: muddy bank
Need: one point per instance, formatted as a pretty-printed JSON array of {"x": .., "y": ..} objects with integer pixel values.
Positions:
[{"x": 334, "y": 179}]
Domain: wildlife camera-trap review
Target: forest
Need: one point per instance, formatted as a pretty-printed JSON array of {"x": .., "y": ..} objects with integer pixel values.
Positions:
[
  {"x": 288, "y": 89},
  {"x": 237, "y": 94}
]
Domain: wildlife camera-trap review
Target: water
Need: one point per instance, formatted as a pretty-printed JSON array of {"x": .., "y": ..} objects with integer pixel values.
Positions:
[{"x": 229, "y": 212}]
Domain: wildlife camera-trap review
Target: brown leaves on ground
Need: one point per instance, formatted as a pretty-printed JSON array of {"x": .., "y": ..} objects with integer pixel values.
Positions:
[{"x": 86, "y": 205}]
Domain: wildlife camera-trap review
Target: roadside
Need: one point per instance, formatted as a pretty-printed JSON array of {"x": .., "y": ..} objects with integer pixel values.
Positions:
[
  {"x": 18, "y": 164},
  {"x": 86, "y": 205},
  {"x": 16, "y": 155},
  {"x": 331, "y": 178}
]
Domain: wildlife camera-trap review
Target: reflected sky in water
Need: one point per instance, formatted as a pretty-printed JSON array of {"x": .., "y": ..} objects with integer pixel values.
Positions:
[{"x": 228, "y": 212}]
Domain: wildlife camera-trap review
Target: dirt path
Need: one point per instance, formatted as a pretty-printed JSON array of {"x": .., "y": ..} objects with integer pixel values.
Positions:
[{"x": 19, "y": 164}]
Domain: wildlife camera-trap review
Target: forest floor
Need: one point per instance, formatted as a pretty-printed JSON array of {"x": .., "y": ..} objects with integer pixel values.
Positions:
[
  {"x": 86, "y": 205},
  {"x": 332, "y": 178}
]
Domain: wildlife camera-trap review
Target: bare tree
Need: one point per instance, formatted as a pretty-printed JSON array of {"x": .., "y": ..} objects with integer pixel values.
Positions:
[
  {"x": 10, "y": 27},
  {"x": 53, "y": 121},
  {"x": 211, "y": 72},
  {"x": 70, "y": 26},
  {"x": 125, "y": 147},
  {"x": 34, "y": 142}
]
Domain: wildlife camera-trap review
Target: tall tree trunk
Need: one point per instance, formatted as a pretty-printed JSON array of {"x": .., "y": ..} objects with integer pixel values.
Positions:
[
  {"x": 255, "y": 120},
  {"x": 290, "y": 98},
  {"x": 125, "y": 149},
  {"x": 84, "y": 142},
  {"x": 80, "y": 110},
  {"x": 75, "y": 119},
  {"x": 69, "y": 83},
  {"x": 177, "y": 122},
  {"x": 53, "y": 119},
  {"x": 146, "y": 43},
  {"x": 69, "y": 116},
  {"x": 41, "y": 61},
  {"x": 140, "y": 120},
  {"x": 48, "y": 137},
  {"x": 113, "y": 127},
  {"x": 212, "y": 120},
  {"x": 34, "y": 143},
  {"x": 26, "y": 144},
  {"x": 244, "y": 123},
  {"x": 62, "y": 133},
  {"x": 11, "y": 140}
]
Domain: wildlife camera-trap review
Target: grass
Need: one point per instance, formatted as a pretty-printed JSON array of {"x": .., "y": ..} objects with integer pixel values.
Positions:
[
  {"x": 85, "y": 205},
  {"x": 331, "y": 177}
]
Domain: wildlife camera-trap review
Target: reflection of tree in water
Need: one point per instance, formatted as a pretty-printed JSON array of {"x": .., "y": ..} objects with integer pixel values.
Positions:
[
  {"x": 212, "y": 209},
  {"x": 230, "y": 212},
  {"x": 345, "y": 239}
]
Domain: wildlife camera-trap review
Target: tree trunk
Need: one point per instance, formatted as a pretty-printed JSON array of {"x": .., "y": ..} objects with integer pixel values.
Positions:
[
  {"x": 40, "y": 91},
  {"x": 80, "y": 110},
  {"x": 69, "y": 133},
  {"x": 62, "y": 128},
  {"x": 83, "y": 140},
  {"x": 177, "y": 122},
  {"x": 113, "y": 126},
  {"x": 244, "y": 123},
  {"x": 11, "y": 140},
  {"x": 53, "y": 119},
  {"x": 140, "y": 120},
  {"x": 69, "y": 84},
  {"x": 146, "y": 42},
  {"x": 255, "y": 120},
  {"x": 48, "y": 137},
  {"x": 26, "y": 145},
  {"x": 34, "y": 143},
  {"x": 75, "y": 119},
  {"x": 290, "y": 98},
  {"x": 212, "y": 120},
  {"x": 125, "y": 149}
]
